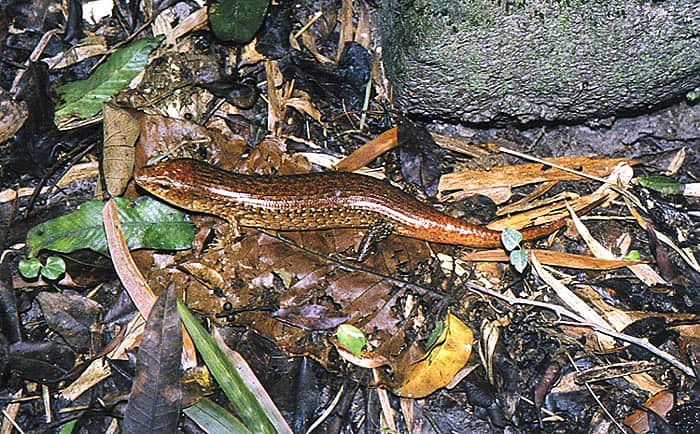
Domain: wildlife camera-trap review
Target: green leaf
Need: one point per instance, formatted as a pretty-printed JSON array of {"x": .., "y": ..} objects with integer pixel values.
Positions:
[
  {"x": 511, "y": 238},
  {"x": 237, "y": 20},
  {"x": 518, "y": 258},
  {"x": 214, "y": 419},
  {"x": 242, "y": 399},
  {"x": 147, "y": 224},
  {"x": 83, "y": 99},
  {"x": 67, "y": 428},
  {"x": 29, "y": 268},
  {"x": 351, "y": 338},
  {"x": 54, "y": 268},
  {"x": 435, "y": 334},
  {"x": 632, "y": 255},
  {"x": 661, "y": 184}
]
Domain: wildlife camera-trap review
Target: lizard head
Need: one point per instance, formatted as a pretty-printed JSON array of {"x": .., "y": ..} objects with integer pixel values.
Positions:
[{"x": 170, "y": 180}]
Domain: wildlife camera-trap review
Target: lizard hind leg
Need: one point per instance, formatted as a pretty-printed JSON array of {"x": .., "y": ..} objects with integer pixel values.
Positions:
[
  {"x": 226, "y": 235},
  {"x": 376, "y": 233}
]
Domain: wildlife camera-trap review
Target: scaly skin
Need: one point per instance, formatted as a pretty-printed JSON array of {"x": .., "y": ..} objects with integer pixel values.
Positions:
[{"x": 311, "y": 201}]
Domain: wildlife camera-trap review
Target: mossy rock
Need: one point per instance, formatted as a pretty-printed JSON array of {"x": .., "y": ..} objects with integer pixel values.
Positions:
[{"x": 526, "y": 61}]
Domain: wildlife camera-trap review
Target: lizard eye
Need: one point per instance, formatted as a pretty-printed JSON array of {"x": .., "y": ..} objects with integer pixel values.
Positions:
[{"x": 163, "y": 186}]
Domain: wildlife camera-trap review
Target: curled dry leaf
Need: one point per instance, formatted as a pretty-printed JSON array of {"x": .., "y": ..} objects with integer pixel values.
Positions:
[
  {"x": 121, "y": 131},
  {"x": 346, "y": 27}
]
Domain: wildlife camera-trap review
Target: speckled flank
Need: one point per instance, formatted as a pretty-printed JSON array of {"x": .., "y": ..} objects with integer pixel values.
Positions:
[{"x": 310, "y": 201}]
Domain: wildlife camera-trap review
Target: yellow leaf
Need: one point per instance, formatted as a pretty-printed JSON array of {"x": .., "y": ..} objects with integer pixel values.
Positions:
[{"x": 436, "y": 368}]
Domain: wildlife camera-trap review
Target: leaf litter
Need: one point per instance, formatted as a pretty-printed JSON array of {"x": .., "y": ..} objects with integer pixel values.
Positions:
[{"x": 296, "y": 288}]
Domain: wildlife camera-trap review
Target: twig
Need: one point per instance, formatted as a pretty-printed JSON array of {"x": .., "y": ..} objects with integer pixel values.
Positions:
[{"x": 580, "y": 322}]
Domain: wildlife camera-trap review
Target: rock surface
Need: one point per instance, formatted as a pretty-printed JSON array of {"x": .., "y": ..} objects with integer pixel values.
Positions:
[{"x": 516, "y": 62}]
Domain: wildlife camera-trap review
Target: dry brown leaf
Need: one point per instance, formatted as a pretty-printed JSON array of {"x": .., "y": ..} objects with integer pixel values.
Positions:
[
  {"x": 160, "y": 135},
  {"x": 661, "y": 403},
  {"x": 276, "y": 110},
  {"x": 675, "y": 165},
  {"x": 579, "y": 306},
  {"x": 346, "y": 27},
  {"x": 100, "y": 369},
  {"x": 303, "y": 104},
  {"x": 548, "y": 214},
  {"x": 530, "y": 201},
  {"x": 462, "y": 145},
  {"x": 619, "y": 319},
  {"x": 575, "y": 303},
  {"x": 386, "y": 421},
  {"x": 249, "y": 55},
  {"x": 263, "y": 271},
  {"x": 121, "y": 131},
  {"x": 408, "y": 407},
  {"x": 363, "y": 32},
  {"x": 12, "y": 116},
  {"x": 95, "y": 45},
  {"x": 197, "y": 20},
  {"x": 642, "y": 271},
  {"x": 270, "y": 157},
  {"x": 310, "y": 43}
]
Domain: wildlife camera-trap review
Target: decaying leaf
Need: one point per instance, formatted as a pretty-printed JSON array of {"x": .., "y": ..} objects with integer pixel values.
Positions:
[
  {"x": 71, "y": 316},
  {"x": 155, "y": 400},
  {"x": 550, "y": 257},
  {"x": 524, "y": 174}
]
